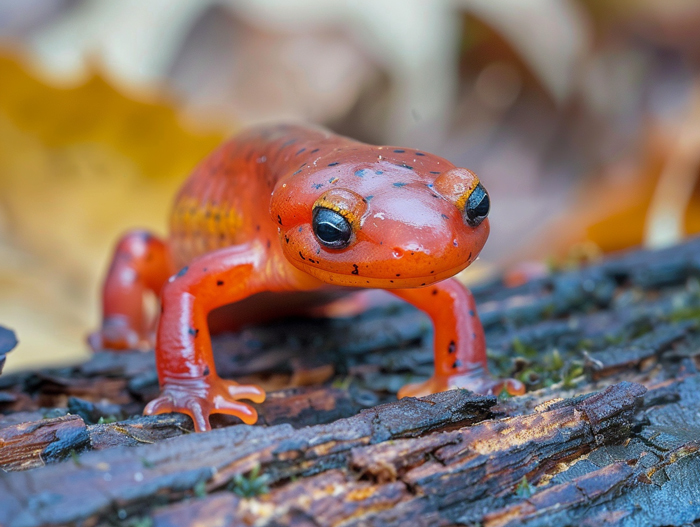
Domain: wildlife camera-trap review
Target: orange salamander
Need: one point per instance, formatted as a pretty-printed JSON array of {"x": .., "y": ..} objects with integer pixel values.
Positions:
[{"x": 300, "y": 211}]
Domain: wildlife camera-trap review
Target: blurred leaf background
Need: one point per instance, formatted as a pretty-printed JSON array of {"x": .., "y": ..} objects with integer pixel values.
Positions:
[{"x": 582, "y": 117}]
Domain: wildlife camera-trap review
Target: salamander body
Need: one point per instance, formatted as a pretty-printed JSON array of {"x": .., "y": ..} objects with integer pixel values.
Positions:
[{"x": 302, "y": 212}]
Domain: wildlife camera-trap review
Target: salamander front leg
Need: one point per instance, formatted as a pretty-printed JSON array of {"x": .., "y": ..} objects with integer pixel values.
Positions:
[
  {"x": 460, "y": 345},
  {"x": 186, "y": 370}
]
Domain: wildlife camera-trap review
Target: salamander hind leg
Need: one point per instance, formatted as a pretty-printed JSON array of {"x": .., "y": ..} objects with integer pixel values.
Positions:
[
  {"x": 460, "y": 345},
  {"x": 141, "y": 263}
]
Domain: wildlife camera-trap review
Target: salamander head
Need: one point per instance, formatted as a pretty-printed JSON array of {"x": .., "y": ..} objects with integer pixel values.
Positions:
[{"x": 374, "y": 220}]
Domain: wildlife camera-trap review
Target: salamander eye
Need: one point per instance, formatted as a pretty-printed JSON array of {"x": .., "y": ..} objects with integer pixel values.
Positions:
[
  {"x": 478, "y": 206},
  {"x": 331, "y": 229}
]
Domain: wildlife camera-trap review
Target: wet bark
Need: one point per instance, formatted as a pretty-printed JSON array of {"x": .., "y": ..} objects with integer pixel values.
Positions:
[{"x": 608, "y": 432}]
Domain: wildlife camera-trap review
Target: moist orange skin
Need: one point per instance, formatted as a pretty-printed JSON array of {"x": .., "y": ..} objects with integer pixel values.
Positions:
[{"x": 242, "y": 225}]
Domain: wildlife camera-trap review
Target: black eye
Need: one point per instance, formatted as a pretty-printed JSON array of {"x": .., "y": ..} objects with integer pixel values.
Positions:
[
  {"x": 478, "y": 206},
  {"x": 331, "y": 229}
]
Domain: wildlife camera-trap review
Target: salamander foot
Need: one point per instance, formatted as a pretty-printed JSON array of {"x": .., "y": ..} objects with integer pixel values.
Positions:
[{"x": 202, "y": 396}]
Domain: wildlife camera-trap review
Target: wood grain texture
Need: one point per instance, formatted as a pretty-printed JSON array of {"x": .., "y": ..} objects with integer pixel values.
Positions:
[{"x": 607, "y": 434}]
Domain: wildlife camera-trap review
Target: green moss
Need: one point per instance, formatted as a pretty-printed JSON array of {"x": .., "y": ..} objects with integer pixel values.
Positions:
[
  {"x": 685, "y": 313},
  {"x": 523, "y": 349},
  {"x": 254, "y": 484},
  {"x": 200, "y": 489},
  {"x": 573, "y": 371},
  {"x": 524, "y": 489},
  {"x": 504, "y": 395},
  {"x": 139, "y": 521}
]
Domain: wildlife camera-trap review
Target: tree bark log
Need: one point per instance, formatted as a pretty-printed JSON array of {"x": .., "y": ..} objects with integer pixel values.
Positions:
[{"x": 608, "y": 433}]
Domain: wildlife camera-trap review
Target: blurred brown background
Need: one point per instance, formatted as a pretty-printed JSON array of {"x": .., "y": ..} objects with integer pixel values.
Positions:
[{"x": 582, "y": 117}]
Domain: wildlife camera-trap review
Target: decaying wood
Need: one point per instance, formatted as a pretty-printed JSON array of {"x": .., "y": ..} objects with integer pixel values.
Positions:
[
  {"x": 609, "y": 432},
  {"x": 32, "y": 444}
]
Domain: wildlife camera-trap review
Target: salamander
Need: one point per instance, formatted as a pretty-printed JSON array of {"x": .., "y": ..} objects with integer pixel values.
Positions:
[{"x": 300, "y": 212}]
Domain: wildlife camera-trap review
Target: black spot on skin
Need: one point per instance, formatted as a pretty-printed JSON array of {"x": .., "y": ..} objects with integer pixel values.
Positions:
[
  {"x": 194, "y": 332},
  {"x": 314, "y": 151},
  {"x": 287, "y": 143},
  {"x": 219, "y": 282},
  {"x": 217, "y": 217},
  {"x": 302, "y": 256},
  {"x": 300, "y": 229},
  {"x": 404, "y": 165},
  {"x": 391, "y": 281},
  {"x": 257, "y": 228},
  {"x": 317, "y": 185},
  {"x": 431, "y": 272},
  {"x": 360, "y": 173},
  {"x": 456, "y": 364},
  {"x": 435, "y": 291},
  {"x": 312, "y": 260},
  {"x": 471, "y": 312},
  {"x": 206, "y": 370},
  {"x": 420, "y": 154},
  {"x": 286, "y": 238},
  {"x": 445, "y": 216},
  {"x": 399, "y": 185},
  {"x": 378, "y": 172},
  {"x": 435, "y": 196},
  {"x": 222, "y": 236},
  {"x": 397, "y": 274},
  {"x": 182, "y": 272},
  {"x": 355, "y": 269},
  {"x": 452, "y": 347},
  {"x": 333, "y": 164},
  {"x": 300, "y": 151},
  {"x": 269, "y": 244},
  {"x": 368, "y": 281},
  {"x": 423, "y": 284},
  {"x": 295, "y": 173},
  {"x": 399, "y": 151},
  {"x": 205, "y": 269},
  {"x": 279, "y": 219},
  {"x": 474, "y": 336},
  {"x": 433, "y": 172}
]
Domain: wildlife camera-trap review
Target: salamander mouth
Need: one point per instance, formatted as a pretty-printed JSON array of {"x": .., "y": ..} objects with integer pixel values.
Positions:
[{"x": 353, "y": 280}]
